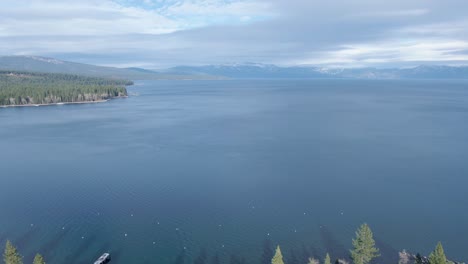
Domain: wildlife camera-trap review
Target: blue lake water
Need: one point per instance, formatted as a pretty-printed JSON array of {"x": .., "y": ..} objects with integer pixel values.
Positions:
[{"x": 182, "y": 171}]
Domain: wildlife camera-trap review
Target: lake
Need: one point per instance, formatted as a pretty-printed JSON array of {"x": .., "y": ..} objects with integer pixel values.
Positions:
[{"x": 183, "y": 171}]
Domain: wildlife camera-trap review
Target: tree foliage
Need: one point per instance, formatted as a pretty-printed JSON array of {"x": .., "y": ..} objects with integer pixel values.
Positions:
[
  {"x": 327, "y": 259},
  {"x": 22, "y": 88},
  {"x": 11, "y": 255},
  {"x": 278, "y": 257},
  {"x": 38, "y": 259},
  {"x": 313, "y": 261},
  {"x": 364, "y": 246},
  {"x": 438, "y": 256}
]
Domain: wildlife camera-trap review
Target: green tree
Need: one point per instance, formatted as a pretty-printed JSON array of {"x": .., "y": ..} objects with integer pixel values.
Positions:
[
  {"x": 438, "y": 255},
  {"x": 364, "y": 246},
  {"x": 313, "y": 261},
  {"x": 38, "y": 259},
  {"x": 11, "y": 255},
  {"x": 278, "y": 257},
  {"x": 327, "y": 259}
]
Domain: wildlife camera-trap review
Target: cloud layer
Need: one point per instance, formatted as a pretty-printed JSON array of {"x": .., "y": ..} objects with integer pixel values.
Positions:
[{"x": 158, "y": 33}]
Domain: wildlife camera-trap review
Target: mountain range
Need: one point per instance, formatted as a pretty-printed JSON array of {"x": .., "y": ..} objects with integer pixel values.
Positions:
[
  {"x": 253, "y": 70},
  {"x": 51, "y": 65},
  {"x": 230, "y": 71}
]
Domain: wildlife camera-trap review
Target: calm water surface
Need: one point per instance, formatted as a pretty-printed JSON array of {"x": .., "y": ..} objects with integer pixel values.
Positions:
[{"x": 182, "y": 171}]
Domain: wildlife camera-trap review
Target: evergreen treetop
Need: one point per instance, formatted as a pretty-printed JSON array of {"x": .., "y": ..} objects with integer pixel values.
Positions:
[
  {"x": 364, "y": 246},
  {"x": 278, "y": 257},
  {"x": 313, "y": 261},
  {"x": 438, "y": 255},
  {"x": 38, "y": 259},
  {"x": 11, "y": 255}
]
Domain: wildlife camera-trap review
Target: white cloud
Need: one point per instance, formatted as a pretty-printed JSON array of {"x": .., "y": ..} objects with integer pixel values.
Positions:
[
  {"x": 169, "y": 32},
  {"x": 451, "y": 28},
  {"x": 218, "y": 8},
  {"x": 423, "y": 50},
  {"x": 91, "y": 17},
  {"x": 396, "y": 13}
]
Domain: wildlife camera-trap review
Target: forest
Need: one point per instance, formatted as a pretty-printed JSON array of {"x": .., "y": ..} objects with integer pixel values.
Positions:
[{"x": 29, "y": 88}]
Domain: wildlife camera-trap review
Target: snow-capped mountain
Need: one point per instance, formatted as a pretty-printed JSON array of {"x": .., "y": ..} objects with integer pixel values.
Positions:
[{"x": 256, "y": 70}]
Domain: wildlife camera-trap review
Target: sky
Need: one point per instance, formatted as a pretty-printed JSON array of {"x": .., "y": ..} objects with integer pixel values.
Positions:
[{"x": 163, "y": 33}]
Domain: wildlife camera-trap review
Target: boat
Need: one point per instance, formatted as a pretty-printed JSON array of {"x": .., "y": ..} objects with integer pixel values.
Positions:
[{"x": 105, "y": 258}]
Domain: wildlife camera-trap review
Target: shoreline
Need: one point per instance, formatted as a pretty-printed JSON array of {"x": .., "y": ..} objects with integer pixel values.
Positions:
[{"x": 63, "y": 103}]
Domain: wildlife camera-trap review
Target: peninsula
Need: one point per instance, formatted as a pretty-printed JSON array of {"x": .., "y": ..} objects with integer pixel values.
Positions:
[{"x": 21, "y": 88}]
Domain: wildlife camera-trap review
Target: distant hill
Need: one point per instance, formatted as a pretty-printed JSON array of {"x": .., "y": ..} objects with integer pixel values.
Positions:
[
  {"x": 252, "y": 70},
  {"x": 50, "y": 65},
  {"x": 233, "y": 71},
  {"x": 249, "y": 70}
]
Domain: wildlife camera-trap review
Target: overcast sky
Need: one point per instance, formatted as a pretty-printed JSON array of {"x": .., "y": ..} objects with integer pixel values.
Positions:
[{"x": 162, "y": 33}]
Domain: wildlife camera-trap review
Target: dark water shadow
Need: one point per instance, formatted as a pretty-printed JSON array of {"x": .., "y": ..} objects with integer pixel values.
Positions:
[
  {"x": 332, "y": 245},
  {"x": 215, "y": 259},
  {"x": 389, "y": 255},
  {"x": 48, "y": 248},
  {"x": 316, "y": 253},
  {"x": 238, "y": 260},
  {"x": 116, "y": 256},
  {"x": 202, "y": 258},
  {"x": 82, "y": 247},
  {"x": 267, "y": 253},
  {"x": 304, "y": 255},
  {"x": 106, "y": 247},
  {"x": 25, "y": 239},
  {"x": 292, "y": 258},
  {"x": 180, "y": 259},
  {"x": 3, "y": 239}
]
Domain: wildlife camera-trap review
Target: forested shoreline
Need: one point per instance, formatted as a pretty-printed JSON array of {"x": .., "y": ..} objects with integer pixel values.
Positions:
[
  {"x": 364, "y": 251},
  {"x": 30, "y": 88}
]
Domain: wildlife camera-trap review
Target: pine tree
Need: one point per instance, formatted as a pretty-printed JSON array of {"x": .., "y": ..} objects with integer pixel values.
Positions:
[
  {"x": 327, "y": 259},
  {"x": 364, "y": 246},
  {"x": 313, "y": 261},
  {"x": 11, "y": 255},
  {"x": 38, "y": 259},
  {"x": 438, "y": 255},
  {"x": 278, "y": 258}
]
